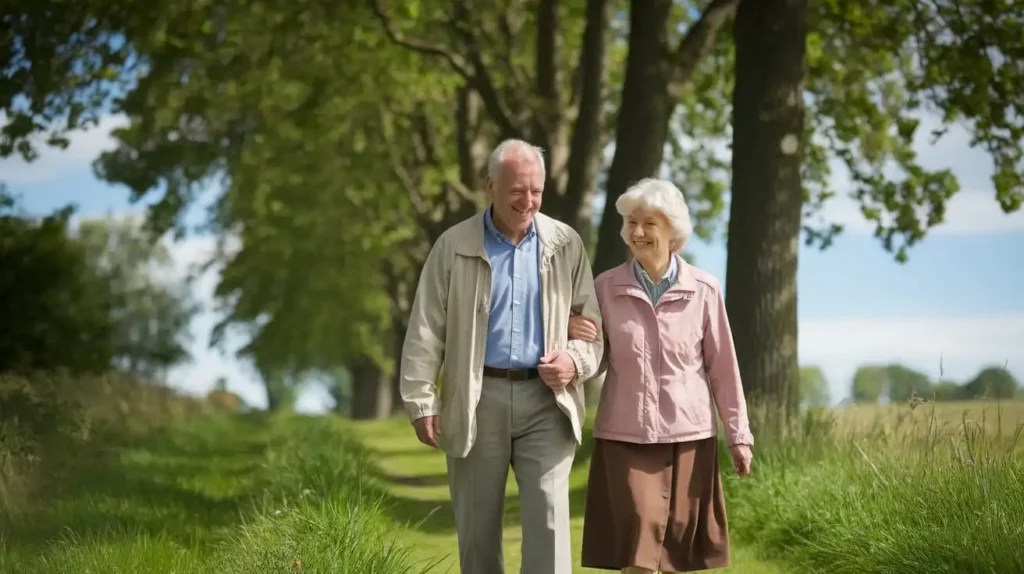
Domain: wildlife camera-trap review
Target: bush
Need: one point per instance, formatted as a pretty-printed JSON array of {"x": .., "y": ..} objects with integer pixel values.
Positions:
[
  {"x": 36, "y": 420},
  {"x": 55, "y": 306}
]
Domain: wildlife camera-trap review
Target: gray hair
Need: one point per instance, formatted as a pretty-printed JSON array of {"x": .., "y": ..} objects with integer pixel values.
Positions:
[
  {"x": 514, "y": 148},
  {"x": 662, "y": 196}
]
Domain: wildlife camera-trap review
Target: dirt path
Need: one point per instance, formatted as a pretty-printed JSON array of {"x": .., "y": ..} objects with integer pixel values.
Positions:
[{"x": 416, "y": 476}]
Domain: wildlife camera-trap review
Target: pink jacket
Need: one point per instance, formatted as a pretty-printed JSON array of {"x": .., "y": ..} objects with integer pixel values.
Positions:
[{"x": 666, "y": 363}]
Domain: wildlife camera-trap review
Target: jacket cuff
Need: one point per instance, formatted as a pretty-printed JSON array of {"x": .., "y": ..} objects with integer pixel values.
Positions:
[
  {"x": 741, "y": 437},
  {"x": 418, "y": 410},
  {"x": 577, "y": 362}
]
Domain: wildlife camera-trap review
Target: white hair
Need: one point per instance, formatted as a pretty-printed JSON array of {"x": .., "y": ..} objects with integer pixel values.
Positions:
[
  {"x": 518, "y": 149},
  {"x": 664, "y": 197}
]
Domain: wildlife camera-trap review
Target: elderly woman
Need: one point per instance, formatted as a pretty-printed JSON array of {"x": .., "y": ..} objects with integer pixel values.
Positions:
[{"x": 654, "y": 500}]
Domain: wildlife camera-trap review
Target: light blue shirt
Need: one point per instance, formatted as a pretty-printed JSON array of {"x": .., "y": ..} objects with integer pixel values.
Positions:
[
  {"x": 515, "y": 335},
  {"x": 654, "y": 292}
]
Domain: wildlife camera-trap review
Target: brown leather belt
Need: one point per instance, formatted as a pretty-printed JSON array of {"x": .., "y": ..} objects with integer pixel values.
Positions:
[{"x": 512, "y": 374}]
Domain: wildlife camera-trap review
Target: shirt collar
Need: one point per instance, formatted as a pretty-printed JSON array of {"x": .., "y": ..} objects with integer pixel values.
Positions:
[
  {"x": 495, "y": 232},
  {"x": 671, "y": 274}
]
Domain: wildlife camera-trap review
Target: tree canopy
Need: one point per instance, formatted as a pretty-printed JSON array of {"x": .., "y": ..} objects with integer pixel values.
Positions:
[{"x": 344, "y": 137}]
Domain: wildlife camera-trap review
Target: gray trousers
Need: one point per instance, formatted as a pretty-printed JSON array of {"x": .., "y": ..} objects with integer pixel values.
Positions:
[{"x": 518, "y": 424}]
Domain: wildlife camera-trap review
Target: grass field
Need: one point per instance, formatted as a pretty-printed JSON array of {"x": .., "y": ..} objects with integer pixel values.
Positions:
[
  {"x": 998, "y": 418},
  {"x": 888, "y": 490}
]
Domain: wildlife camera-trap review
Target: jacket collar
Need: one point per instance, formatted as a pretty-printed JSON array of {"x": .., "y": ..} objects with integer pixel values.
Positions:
[
  {"x": 469, "y": 235},
  {"x": 625, "y": 282}
]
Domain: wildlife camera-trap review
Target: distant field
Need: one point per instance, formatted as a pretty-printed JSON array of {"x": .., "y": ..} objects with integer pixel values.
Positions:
[{"x": 1004, "y": 418}]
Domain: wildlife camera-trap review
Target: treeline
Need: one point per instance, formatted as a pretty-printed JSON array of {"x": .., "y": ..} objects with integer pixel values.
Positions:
[
  {"x": 895, "y": 383},
  {"x": 89, "y": 297}
]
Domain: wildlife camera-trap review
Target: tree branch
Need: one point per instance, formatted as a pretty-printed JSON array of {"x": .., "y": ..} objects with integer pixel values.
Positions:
[
  {"x": 399, "y": 169},
  {"x": 455, "y": 60},
  {"x": 698, "y": 42},
  {"x": 508, "y": 33},
  {"x": 481, "y": 78},
  {"x": 585, "y": 154}
]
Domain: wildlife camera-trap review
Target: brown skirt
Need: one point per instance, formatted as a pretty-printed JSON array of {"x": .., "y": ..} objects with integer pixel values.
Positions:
[{"x": 656, "y": 506}]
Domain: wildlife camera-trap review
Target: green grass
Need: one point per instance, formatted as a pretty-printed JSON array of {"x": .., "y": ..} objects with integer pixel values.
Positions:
[
  {"x": 912, "y": 492},
  {"x": 415, "y": 476},
  {"x": 894, "y": 490},
  {"x": 227, "y": 495}
]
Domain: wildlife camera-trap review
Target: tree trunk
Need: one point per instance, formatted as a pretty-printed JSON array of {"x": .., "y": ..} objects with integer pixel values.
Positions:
[
  {"x": 656, "y": 74},
  {"x": 280, "y": 395},
  {"x": 548, "y": 126},
  {"x": 399, "y": 327},
  {"x": 275, "y": 401},
  {"x": 574, "y": 207},
  {"x": 371, "y": 390},
  {"x": 642, "y": 124},
  {"x": 767, "y": 197},
  {"x": 473, "y": 147}
]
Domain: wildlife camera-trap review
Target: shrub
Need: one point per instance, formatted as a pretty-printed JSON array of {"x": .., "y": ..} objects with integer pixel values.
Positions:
[{"x": 35, "y": 418}]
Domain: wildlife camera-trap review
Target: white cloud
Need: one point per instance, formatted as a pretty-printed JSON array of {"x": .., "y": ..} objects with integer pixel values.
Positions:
[
  {"x": 961, "y": 345},
  {"x": 84, "y": 147}
]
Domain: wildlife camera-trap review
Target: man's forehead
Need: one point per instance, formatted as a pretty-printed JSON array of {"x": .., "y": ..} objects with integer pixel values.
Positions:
[
  {"x": 520, "y": 165},
  {"x": 516, "y": 172}
]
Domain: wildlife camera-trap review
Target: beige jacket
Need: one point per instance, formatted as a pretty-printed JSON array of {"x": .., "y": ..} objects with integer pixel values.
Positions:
[{"x": 449, "y": 325}]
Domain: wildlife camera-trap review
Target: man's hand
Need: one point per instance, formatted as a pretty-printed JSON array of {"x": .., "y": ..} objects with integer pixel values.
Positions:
[
  {"x": 742, "y": 459},
  {"x": 582, "y": 328},
  {"x": 557, "y": 369},
  {"x": 428, "y": 429}
]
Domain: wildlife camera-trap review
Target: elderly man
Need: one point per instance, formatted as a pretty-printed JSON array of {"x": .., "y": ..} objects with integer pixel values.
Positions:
[{"x": 493, "y": 304}]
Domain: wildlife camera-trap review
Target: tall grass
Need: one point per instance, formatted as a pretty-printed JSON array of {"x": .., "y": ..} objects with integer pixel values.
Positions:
[
  {"x": 918, "y": 496},
  {"x": 151, "y": 491},
  {"x": 219, "y": 494},
  {"x": 322, "y": 511}
]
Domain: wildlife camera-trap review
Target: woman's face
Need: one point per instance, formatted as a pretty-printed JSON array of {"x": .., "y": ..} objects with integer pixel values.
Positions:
[{"x": 648, "y": 233}]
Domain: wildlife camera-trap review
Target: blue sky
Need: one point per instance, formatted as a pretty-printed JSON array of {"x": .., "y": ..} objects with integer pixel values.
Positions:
[{"x": 959, "y": 298}]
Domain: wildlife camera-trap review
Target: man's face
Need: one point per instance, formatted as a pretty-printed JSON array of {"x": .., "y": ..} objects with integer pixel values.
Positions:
[{"x": 516, "y": 193}]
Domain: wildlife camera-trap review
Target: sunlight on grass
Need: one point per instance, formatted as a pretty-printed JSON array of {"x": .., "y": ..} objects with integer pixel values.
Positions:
[{"x": 227, "y": 495}]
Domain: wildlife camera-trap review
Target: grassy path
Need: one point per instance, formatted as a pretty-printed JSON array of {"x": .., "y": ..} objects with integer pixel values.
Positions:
[{"x": 415, "y": 475}]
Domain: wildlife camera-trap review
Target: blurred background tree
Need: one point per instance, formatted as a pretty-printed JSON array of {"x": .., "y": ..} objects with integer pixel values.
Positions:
[
  {"x": 151, "y": 308},
  {"x": 88, "y": 298}
]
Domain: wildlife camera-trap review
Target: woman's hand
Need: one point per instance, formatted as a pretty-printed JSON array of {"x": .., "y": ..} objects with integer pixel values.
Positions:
[
  {"x": 582, "y": 328},
  {"x": 742, "y": 458}
]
